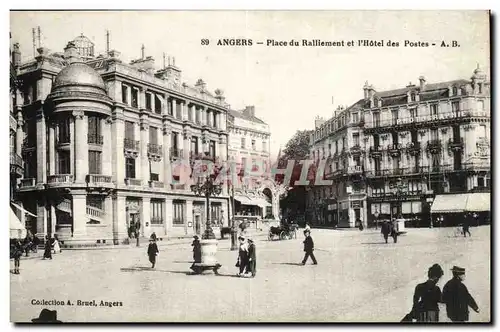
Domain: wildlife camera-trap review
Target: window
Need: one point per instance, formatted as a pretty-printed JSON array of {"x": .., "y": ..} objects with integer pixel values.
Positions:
[
  {"x": 157, "y": 105},
  {"x": 264, "y": 147},
  {"x": 455, "y": 106},
  {"x": 329, "y": 149},
  {"x": 376, "y": 163},
  {"x": 148, "y": 101},
  {"x": 94, "y": 130},
  {"x": 156, "y": 212},
  {"x": 434, "y": 134},
  {"x": 435, "y": 162},
  {"x": 434, "y": 109},
  {"x": 179, "y": 215},
  {"x": 355, "y": 138},
  {"x": 395, "y": 115},
  {"x": 394, "y": 138},
  {"x": 378, "y": 188},
  {"x": 174, "y": 138},
  {"x": 376, "y": 140},
  {"x": 212, "y": 149},
  {"x": 343, "y": 143},
  {"x": 395, "y": 163},
  {"x": 480, "y": 181},
  {"x": 12, "y": 141},
  {"x": 357, "y": 160},
  {"x": 63, "y": 165},
  {"x": 153, "y": 135},
  {"x": 413, "y": 97},
  {"x": 194, "y": 145},
  {"x": 214, "y": 123},
  {"x": 154, "y": 177},
  {"x": 480, "y": 88},
  {"x": 455, "y": 91},
  {"x": 129, "y": 130},
  {"x": 130, "y": 168},
  {"x": 63, "y": 135},
  {"x": 480, "y": 105},
  {"x": 376, "y": 119},
  {"x": 94, "y": 162},
  {"x": 336, "y": 146},
  {"x": 355, "y": 117},
  {"x": 215, "y": 213},
  {"x": 253, "y": 145},
  {"x": 95, "y": 201},
  {"x": 170, "y": 107},
  {"x": 243, "y": 143},
  {"x": 135, "y": 100},
  {"x": 413, "y": 113}
]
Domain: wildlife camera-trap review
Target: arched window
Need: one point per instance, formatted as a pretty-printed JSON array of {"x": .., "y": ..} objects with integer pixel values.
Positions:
[
  {"x": 413, "y": 96},
  {"x": 454, "y": 91}
]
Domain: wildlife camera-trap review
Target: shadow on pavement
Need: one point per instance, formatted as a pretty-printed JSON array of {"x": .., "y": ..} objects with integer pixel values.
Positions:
[
  {"x": 296, "y": 264},
  {"x": 229, "y": 275},
  {"x": 150, "y": 269},
  {"x": 380, "y": 243},
  {"x": 182, "y": 261}
]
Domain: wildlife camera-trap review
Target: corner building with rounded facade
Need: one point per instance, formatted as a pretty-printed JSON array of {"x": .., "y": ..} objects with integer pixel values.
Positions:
[{"x": 101, "y": 141}]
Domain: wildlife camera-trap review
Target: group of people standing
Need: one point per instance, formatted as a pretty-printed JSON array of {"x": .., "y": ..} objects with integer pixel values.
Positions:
[
  {"x": 455, "y": 296},
  {"x": 390, "y": 228},
  {"x": 18, "y": 247},
  {"x": 247, "y": 257}
]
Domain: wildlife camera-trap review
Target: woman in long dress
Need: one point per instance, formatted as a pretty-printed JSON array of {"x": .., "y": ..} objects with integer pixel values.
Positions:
[
  {"x": 48, "y": 248},
  {"x": 242, "y": 262},
  {"x": 56, "y": 246}
]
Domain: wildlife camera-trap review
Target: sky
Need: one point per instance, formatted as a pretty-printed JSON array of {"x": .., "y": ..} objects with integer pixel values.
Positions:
[{"x": 288, "y": 85}]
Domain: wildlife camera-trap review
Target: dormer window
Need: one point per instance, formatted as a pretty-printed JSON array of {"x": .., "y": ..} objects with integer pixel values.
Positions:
[
  {"x": 454, "y": 91},
  {"x": 480, "y": 87},
  {"x": 413, "y": 97}
]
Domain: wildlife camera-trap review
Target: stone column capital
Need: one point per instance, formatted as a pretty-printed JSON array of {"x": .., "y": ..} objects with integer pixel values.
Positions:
[{"x": 78, "y": 114}]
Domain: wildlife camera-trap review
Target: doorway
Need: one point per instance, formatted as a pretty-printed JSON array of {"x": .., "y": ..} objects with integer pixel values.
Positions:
[{"x": 197, "y": 224}]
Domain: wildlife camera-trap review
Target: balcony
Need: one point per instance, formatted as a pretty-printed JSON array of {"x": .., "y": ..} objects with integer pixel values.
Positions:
[
  {"x": 95, "y": 213},
  {"x": 130, "y": 144},
  {"x": 60, "y": 180},
  {"x": 63, "y": 139},
  {"x": 28, "y": 183},
  {"x": 16, "y": 164},
  {"x": 476, "y": 166},
  {"x": 156, "y": 184},
  {"x": 434, "y": 146},
  {"x": 29, "y": 144},
  {"x": 178, "y": 186},
  {"x": 355, "y": 150},
  {"x": 394, "y": 150},
  {"x": 355, "y": 170},
  {"x": 133, "y": 182},
  {"x": 176, "y": 153},
  {"x": 155, "y": 151},
  {"x": 378, "y": 173},
  {"x": 95, "y": 139},
  {"x": 456, "y": 145},
  {"x": 413, "y": 148},
  {"x": 375, "y": 151},
  {"x": 99, "y": 181}
]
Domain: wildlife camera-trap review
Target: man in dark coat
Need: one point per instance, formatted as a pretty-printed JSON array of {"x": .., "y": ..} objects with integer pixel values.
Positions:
[
  {"x": 252, "y": 258},
  {"x": 308, "y": 248},
  {"x": 394, "y": 230},
  {"x": 427, "y": 296},
  {"x": 196, "y": 249},
  {"x": 48, "y": 248},
  {"x": 137, "y": 229},
  {"x": 457, "y": 297},
  {"x": 152, "y": 252},
  {"x": 466, "y": 225},
  {"x": 385, "y": 229}
]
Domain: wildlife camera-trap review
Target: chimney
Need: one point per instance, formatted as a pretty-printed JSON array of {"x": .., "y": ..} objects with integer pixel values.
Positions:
[
  {"x": 249, "y": 110},
  {"x": 147, "y": 64},
  {"x": 219, "y": 95},
  {"x": 70, "y": 53},
  {"x": 371, "y": 92},
  {"x": 318, "y": 122},
  {"x": 16, "y": 55},
  {"x": 422, "y": 83},
  {"x": 200, "y": 84},
  {"x": 365, "y": 90}
]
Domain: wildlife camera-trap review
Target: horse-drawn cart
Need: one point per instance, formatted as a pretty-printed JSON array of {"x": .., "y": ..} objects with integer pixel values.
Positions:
[{"x": 283, "y": 232}]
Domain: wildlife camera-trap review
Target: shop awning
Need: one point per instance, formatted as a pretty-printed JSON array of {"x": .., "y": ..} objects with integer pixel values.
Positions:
[
  {"x": 17, "y": 229},
  {"x": 244, "y": 200},
  {"x": 449, "y": 203},
  {"x": 478, "y": 202},
  {"x": 21, "y": 209}
]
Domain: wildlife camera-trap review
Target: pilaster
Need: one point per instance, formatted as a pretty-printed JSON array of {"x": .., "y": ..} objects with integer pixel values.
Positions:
[
  {"x": 146, "y": 217},
  {"x": 117, "y": 154},
  {"x": 79, "y": 216},
  {"x": 169, "y": 215},
  {"x": 119, "y": 219},
  {"x": 52, "y": 149},
  {"x": 81, "y": 147},
  {"x": 41, "y": 149}
]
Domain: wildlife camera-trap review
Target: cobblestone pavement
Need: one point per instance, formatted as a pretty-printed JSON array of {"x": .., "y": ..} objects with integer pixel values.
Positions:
[{"x": 359, "y": 279}]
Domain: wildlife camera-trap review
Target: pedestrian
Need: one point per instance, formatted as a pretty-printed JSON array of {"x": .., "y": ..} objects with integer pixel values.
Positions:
[
  {"x": 385, "y": 229},
  {"x": 242, "y": 261},
  {"x": 394, "y": 230},
  {"x": 153, "y": 236},
  {"x": 48, "y": 247},
  {"x": 466, "y": 225},
  {"x": 252, "y": 258},
  {"x": 308, "y": 248},
  {"x": 16, "y": 253},
  {"x": 427, "y": 296},
  {"x": 457, "y": 298},
  {"x": 196, "y": 249},
  {"x": 308, "y": 228},
  {"x": 359, "y": 223},
  {"x": 152, "y": 252},
  {"x": 55, "y": 245},
  {"x": 137, "y": 229}
]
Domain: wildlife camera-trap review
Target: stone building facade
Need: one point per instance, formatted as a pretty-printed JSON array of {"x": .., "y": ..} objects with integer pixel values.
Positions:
[
  {"x": 108, "y": 144},
  {"x": 393, "y": 152}
]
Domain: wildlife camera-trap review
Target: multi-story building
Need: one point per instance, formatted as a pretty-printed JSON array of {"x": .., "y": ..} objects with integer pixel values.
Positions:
[
  {"x": 107, "y": 144},
  {"x": 409, "y": 146},
  {"x": 249, "y": 148}
]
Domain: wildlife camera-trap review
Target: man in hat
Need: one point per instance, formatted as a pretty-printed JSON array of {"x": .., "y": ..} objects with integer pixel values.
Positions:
[
  {"x": 47, "y": 316},
  {"x": 308, "y": 248},
  {"x": 242, "y": 262},
  {"x": 385, "y": 229},
  {"x": 152, "y": 252},
  {"x": 457, "y": 298},
  {"x": 252, "y": 258}
]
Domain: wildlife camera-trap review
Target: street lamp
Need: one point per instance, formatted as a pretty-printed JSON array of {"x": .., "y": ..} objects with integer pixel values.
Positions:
[
  {"x": 207, "y": 187},
  {"x": 430, "y": 200}
]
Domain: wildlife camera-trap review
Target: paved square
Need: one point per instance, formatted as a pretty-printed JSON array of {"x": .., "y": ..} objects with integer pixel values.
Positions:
[{"x": 359, "y": 279}]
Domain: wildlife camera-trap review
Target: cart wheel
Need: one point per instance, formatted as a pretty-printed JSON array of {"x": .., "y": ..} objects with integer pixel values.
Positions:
[{"x": 283, "y": 236}]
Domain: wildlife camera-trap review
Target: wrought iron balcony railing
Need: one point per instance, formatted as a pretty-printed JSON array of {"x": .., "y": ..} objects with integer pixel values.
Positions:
[
  {"x": 16, "y": 159},
  {"x": 60, "y": 179},
  {"x": 155, "y": 149},
  {"x": 95, "y": 139},
  {"x": 176, "y": 153},
  {"x": 130, "y": 144}
]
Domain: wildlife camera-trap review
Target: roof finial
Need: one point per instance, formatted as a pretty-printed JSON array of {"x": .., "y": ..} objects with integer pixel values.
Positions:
[
  {"x": 142, "y": 51},
  {"x": 173, "y": 61}
]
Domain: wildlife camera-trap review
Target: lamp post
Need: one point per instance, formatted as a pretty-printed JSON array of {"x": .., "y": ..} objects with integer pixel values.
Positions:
[
  {"x": 430, "y": 200},
  {"x": 376, "y": 214},
  {"x": 207, "y": 187},
  {"x": 400, "y": 187},
  {"x": 234, "y": 245}
]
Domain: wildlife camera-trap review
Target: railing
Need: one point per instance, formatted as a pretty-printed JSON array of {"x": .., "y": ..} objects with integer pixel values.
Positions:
[
  {"x": 413, "y": 146},
  {"x": 131, "y": 144},
  {"x": 178, "y": 186},
  {"x": 60, "y": 178},
  {"x": 94, "y": 212},
  {"x": 176, "y": 153},
  {"x": 16, "y": 159},
  {"x": 155, "y": 149},
  {"x": 477, "y": 166},
  {"x": 28, "y": 144},
  {"x": 95, "y": 139},
  {"x": 427, "y": 118},
  {"x": 156, "y": 184},
  {"x": 98, "y": 178},
  {"x": 63, "y": 139},
  {"x": 375, "y": 149},
  {"x": 355, "y": 169},
  {"x": 133, "y": 182},
  {"x": 27, "y": 183},
  {"x": 156, "y": 220}
]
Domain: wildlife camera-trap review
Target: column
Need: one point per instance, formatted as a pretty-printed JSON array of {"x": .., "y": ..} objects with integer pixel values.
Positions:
[
  {"x": 167, "y": 167},
  {"x": 108, "y": 210},
  {"x": 186, "y": 145},
  {"x": 146, "y": 217},
  {"x": 141, "y": 95},
  {"x": 168, "y": 215},
  {"x": 129, "y": 95},
  {"x": 144, "y": 153},
  {"x": 184, "y": 110},
  {"x": 52, "y": 149},
  {"x": 79, "y": 215},
  {"x": 72, "y": 145},
  {"x": 189, "y": 217},
  {"x": 204, "y": 116},
  {"x": 107, "y": 164},
  {"x": 19, "y": 133},
  {"x": 138, "y": 161},
  {"x": 115, "y": 90},
  {"x": 53, "y": 219},
  {"x": 41, "y": 219},
  {"x": 41, "y": 148},
  {"x": 117, "y": 156},
  {"x": 119, "y": 219},
  {"x": 153, "y": 102},
  {"x": 81, "y": 147}
]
